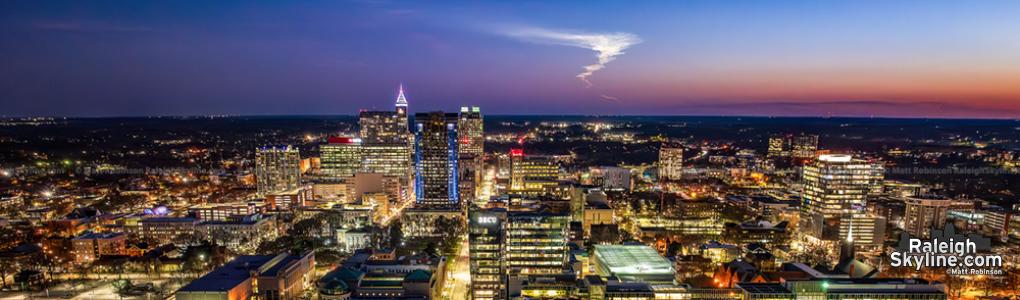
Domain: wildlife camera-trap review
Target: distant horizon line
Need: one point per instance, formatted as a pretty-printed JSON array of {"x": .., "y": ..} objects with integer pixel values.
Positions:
[{"x": 211, "y": 116}]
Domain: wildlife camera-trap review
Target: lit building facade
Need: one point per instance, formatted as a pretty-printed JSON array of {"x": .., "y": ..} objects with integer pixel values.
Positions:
[
  {"x": 536, "y": 243},
  {"x": 340, "y": 158},
  {"x": 486, "y": 235},
  {"x": 224, "y": 211},
  {"x": 385, "y": 126},
  {"x": 779, "y": 146},
  {"x": 90, "y": 247},
  {"x": 277, "y": 169},
  {"x": 834, "y": 186},
  {"x": 386, "y": 141},
  {"x": 865, "y": 230},
  {"x": 671, "y": 162},
  {"x": 163, "y": 231},
  {"x": 436, "y": 158},
  {"x": 282, "y": 276},
  {"x": 390, "y": 159},
  {"x": 922, "y": 214},
  {"x": 470, "y": 151},
  {"x": 532, "y": 174},
  {"x": 804, "y": 146}
]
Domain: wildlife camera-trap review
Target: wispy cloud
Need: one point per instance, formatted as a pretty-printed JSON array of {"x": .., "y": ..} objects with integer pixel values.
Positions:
[
  {"x": 609, "y": 98},
  {"x": 607, "y": 46}
]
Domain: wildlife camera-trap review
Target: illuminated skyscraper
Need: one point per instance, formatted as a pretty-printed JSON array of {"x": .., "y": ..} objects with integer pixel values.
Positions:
[
  {"x": 471, "y": 151},
  {"x": 386, "y": 142},
  {"x": 835, "y": 186},
  {"x": 487, "y": 235},
  {"x": 277, "y": 169},
  {"x": 383, "y": 127},
  {"x": 532, "y": 174},
  {"x": 340, "y": 158},
  {"x": 436, "y": 158},
  {"x": 471, "y": 131},
  {"x": 804, "y": 146},
  {"x": 671, "y": 162},
  {"x": 779, "y": 146},
  {"x": 511, "y": 247}
]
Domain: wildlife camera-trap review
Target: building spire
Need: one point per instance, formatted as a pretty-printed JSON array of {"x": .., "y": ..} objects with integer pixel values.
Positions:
[
  {"x": 401, "y": 100},
  {"x": 846, "y": 251}
]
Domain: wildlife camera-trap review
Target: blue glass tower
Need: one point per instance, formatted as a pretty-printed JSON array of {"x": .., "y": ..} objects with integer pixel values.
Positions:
[{"x": 435, "y": 158}]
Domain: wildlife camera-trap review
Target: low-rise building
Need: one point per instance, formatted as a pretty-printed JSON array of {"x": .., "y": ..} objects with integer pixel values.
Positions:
[
  {"x": 90, "y": 246},
  {"x": 632, "y": 263},
  {"x": 167, "y": 230},
  {"x": 269, "y": 277},
  {"x": 239, "y": 234}
]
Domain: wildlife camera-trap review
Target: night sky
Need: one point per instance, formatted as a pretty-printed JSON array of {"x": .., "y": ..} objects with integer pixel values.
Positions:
[{"x": 772, "y": 58}]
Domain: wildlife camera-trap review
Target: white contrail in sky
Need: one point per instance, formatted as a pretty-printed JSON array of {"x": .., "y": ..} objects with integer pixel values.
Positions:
[{"x": 607, "y": 46}]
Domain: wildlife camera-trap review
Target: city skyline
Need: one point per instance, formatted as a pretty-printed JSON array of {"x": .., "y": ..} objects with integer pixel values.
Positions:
[
  {"x": 772, "y": 58},
  {"x": 491, "y": 150}
]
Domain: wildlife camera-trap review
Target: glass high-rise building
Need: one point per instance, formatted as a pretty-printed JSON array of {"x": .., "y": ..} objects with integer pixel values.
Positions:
[
  {"x": 436, "y": 158},
  {"x": 277, "y": 168},
  {"x": 509, "y": 247},
  {"x": 835, "y": 186},
  {"x": 383, "y": 127},
  {"x": 471, "y": 131},
  {"x": 536, "y": 243},
  {"x": 340, "y": 158},
  {"x": 386, "y": 141},
  {"x": 486, "y": 236},
  {"x": 470, "y": 151}
]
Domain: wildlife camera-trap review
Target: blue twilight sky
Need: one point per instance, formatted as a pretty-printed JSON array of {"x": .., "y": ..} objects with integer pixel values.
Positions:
[{"x": 858, "y": 58}]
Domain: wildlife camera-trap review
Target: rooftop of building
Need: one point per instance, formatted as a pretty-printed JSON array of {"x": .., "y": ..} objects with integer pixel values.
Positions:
[
  {"x": 240, "y": 269},
  {"x": 597, "y": 205},
  {"x": 99, "y": 235},
  {"x": 229, "y": 275},
  {"x": 632, "y": 259},
  {"x": 716, "y": 245},
  {"x": 629, "y": 287},
  {"x": 763, "y": 288}
]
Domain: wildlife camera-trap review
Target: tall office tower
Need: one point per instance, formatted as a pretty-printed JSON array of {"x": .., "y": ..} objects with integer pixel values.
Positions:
[
  {"x": 340, "y": 158},
  {"x": 277, "y": 169},
  {"x": 537, "y": 243},
  {"x": 471, "y": 139},
  {"x": 834, "y": 186},
  {"x": 401, "y": 106},
  {"x": 471, "y": 131},
  {"x": 386, "y": 142},
  {"x": 922, "y": 214},
  {"x": 532, "y": 174},
  {"x": 779, "y": 146},
  {"x": 671, "y": 162},
  {"x": 488, "y": 268},
  {"x": 380, "y": 127},
  {"x": 435, "y": 158},
  {"x": 804, "y": 146}
]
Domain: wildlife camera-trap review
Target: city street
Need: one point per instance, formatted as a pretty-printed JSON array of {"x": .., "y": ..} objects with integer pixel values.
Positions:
[{"x": 458, "y": 283}]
